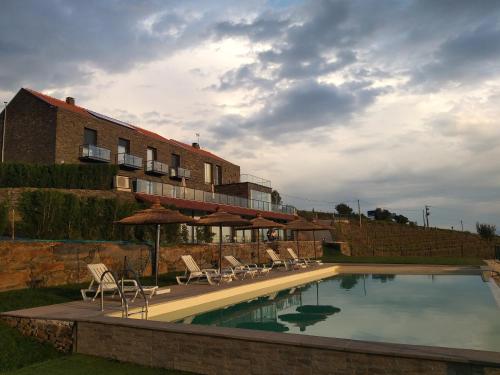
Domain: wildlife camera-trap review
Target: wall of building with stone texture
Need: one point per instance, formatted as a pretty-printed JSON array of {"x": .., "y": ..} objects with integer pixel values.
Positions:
[{"x": 25, "y": 264}]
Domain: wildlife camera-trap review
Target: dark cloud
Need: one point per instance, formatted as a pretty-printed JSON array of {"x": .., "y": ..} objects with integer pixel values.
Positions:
[
  {"x": 302, "y": 107},
  {"x": 264, "y": 27}
]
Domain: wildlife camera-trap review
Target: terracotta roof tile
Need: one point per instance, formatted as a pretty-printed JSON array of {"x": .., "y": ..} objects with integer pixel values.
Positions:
[{"x": 85, "y": 112}]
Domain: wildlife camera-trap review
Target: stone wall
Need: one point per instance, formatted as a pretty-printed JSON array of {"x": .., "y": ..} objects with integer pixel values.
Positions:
[
  {"x": 217, "y": 350},
  {"x": 47, "y": 263},
  {"x": 391, "y": 239},
  {"x": 56, "y": 332}
]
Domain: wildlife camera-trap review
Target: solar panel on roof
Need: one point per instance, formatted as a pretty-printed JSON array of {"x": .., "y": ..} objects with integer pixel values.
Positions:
[{"x": 110, "y": 119}]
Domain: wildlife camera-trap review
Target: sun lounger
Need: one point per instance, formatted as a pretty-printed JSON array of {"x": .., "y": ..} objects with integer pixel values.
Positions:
[
  {"x": 103, "y": 281},
  {"x": 246, "y": 269},
  {"x": 306, "y": 261},
  {"x": 194, "y": 272},
  {"x": 276, "y": 260}
]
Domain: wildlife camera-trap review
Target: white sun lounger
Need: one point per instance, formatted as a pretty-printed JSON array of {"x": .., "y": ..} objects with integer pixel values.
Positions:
[
  {"x": 276, "y": 260},
  {"x": 103, "y": 281},
  {"x": 194, "y": 272},
  {"x": 306, "y": 261},
  {"x": 247, "y": 269}
]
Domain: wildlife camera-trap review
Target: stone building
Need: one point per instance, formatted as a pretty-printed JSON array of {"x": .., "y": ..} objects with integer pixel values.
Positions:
[{"x": 42, "y": 129}]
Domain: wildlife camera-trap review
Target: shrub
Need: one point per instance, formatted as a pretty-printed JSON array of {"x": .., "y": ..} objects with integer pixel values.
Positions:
[
  {"x": 63, "y": 176},
  {"x": 486, "y": 231}
]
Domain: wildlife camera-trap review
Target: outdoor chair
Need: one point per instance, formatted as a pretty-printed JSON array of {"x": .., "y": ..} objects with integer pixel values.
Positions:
[
  {"x": 194, "y": 272},
  {"x": 276, "y": 260},
  {"x": 102, "y": 281},
  {"x": 247, "y": 269},
  {"x": 306, "y": 261}
]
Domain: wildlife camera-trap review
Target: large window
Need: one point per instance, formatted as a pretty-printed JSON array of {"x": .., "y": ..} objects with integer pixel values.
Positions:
[
  {"x": 151, "y": 154},
  {"x": 218, "y": 175},
  {"x": 123, "y": 146},
  {"x": 89, "y": 137},
  {"x": 208, "y": 173},
  {"x": 175, "y": 161},
  {"x": 260, "y": 200}
]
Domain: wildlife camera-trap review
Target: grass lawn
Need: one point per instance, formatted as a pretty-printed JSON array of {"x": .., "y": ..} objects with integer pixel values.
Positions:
[
  {"x": 403, "y": 260},
  {"x": 18, "y": 351},
  {"x": 77, "y": 364}
]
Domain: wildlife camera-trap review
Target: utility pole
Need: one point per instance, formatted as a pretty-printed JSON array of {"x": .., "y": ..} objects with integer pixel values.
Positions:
[
  {"x": 462, "y": 224},
  {"x": 359, "y": 213},
  {"x": 423, "y": 218},
  {"x": 3, "y": 130},
  {"x": 427, "y": 213}
]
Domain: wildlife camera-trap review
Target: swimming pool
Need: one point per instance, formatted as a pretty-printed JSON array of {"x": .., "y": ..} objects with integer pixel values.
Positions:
[{"x": 456, "y": 311}]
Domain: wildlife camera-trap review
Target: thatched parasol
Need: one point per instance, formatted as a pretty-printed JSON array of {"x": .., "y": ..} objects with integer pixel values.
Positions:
[
  {"x": 301, "y": 224},
  {"x": 222, "y": 219},
  {"x": 261, "y": 223},
  {"x": 156, "y": 215}
]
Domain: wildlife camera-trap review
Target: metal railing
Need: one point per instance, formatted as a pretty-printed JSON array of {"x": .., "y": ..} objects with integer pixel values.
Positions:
[
  {"x": 94, "y": 152},
  {"x": 155, "y": 166},
  {"x": 129, "y": 161},
  {"x": 180, "y": 172},
  {"x": 179, "y": 192},
  {"x": 255, "y": 180}
]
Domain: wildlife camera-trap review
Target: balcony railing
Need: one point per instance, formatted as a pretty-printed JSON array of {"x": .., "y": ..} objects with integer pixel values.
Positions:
[
  {"x": 180, "y": 173},
  {"x": 92, "y": 152},
  {"x": 129, "y": 161},
  {"x": 172, "y": 191},
  {"x": 255, "y": 180},
  {"x": 156, "y": 167}
]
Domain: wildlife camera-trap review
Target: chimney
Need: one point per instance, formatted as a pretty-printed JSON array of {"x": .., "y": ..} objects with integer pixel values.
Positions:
[
  {"x": 70, "y": 100},
  {"x": 196, "y": 145}
]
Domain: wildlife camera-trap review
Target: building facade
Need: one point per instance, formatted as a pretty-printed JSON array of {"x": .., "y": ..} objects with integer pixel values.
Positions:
[{"x": 42, "y": 129}]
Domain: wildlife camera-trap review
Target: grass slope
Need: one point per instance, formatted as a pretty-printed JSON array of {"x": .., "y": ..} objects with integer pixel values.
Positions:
[{"x": 404, "y": 260}]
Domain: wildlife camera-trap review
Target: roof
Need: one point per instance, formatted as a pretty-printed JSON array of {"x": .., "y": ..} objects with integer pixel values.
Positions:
[
  {"x": 212, "y": 207},
  {"x": 88, "y": 113}
]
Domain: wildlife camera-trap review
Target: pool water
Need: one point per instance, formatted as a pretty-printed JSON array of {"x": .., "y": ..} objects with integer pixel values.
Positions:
[{"x": 457, "y": 311}]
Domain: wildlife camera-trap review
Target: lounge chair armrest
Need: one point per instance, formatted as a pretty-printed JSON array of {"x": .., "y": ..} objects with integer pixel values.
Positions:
[
  {"x": 129, "y": 281},
  {"x": 210, "y": 270}
]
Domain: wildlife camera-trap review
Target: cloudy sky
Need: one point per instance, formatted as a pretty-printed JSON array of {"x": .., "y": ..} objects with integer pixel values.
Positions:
[{"x": 395, "y": 103}]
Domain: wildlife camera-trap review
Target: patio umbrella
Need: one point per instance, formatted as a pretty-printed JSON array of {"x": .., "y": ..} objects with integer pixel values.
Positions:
[
  {"x": 261, "y": 223},
  {"x": 156, "y": 215},
  {"x": 220, "y": 218},
  {"x": 301, "y": 224}
]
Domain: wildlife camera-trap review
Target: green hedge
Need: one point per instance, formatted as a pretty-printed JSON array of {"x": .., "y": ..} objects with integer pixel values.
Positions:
[
  {"x": 55, "y": 215},
  {"x": 64, "y": 176}
]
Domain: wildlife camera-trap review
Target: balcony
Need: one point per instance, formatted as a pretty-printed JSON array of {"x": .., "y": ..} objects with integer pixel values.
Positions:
[
  {"x": 255, "y": 180},
  {"x": 129, "y": 161},
  {"x": 156, "y": 167},
  {"x": 180, "y": 192},
  {"x": 179, "y": 173},
  {"x": 95, "y": 153}
]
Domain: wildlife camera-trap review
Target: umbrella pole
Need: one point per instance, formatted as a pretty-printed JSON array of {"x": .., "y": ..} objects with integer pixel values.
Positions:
[
  {"x": 258, "y": 245},
  {"x": 157, "y": 251},
  {"x": 297, "y": 238},
  {"x": 220, "y": 249},
  {"x": 314, "y": 244}
]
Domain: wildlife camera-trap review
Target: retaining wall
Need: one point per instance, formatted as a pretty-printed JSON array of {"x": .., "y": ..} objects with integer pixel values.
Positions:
[{"x": 48, "y": 263}]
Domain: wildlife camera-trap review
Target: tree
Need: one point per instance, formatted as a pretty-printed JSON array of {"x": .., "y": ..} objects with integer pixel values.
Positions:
[
  {"x": 486, "y": 231},
  {"x": 343, "y": 209},
  {"x": 383, "y": 214},
  {"x": 401, "y": 219},
  {"x": 276, "y": 197}
]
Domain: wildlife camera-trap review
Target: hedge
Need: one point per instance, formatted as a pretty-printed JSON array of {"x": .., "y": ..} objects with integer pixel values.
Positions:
[
  {"x": 63, "y": 176},
  {"x": 56, "y": 215}
]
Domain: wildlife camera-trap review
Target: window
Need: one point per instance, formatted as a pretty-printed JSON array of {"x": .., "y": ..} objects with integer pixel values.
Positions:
[
  {"x": 208, "y": 173},
  {"x": 218, "y": 175},
  {"x": 175, "y": 161},
  {"x": 89, "y": 137},
  {"x": 260, "y": 200},
  {"x": 151, "y": 154},
  {"x": 123, "y": 146}
]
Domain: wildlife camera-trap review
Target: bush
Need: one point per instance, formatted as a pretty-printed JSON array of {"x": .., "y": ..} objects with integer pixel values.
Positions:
[
  {"x": 63, "y": 176},
  {"x": 55, "y": 215},
  {"x": 486, "y": 231}
]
